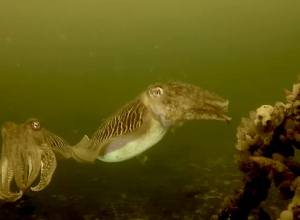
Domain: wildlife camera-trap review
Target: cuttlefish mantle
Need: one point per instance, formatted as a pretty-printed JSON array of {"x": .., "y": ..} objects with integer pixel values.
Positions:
[
  {"x": 144, "y": 121},
  {"x": 27, "y": 151}
]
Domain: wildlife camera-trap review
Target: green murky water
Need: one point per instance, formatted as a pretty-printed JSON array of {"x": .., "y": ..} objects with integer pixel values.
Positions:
[{"x": 73, "y": 63}]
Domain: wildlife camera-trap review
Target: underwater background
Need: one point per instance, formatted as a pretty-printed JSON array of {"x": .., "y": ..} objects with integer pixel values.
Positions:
[{"x": 72, "y": 63}]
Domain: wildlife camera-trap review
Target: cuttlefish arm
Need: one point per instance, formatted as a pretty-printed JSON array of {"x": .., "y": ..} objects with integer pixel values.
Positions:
[
  {"x": 6, "y": 176},
  {"x": 48, "y": 166},
  {"x": 144, "y": 121},
  {"x": 51, "y": 143}
]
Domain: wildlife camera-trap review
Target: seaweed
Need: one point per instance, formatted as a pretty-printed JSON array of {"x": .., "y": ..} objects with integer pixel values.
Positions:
[{"x": 266, "y": 146}]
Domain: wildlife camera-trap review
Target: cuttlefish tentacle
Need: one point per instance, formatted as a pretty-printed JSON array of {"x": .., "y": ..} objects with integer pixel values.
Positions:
[
  {"x": 6, "y": 176},
  {"x": 11, "y": 152},
  {"x": 144, "y": 121},
  {"x": 34, "y": 165},
  {"x": 48, "y": 166}
]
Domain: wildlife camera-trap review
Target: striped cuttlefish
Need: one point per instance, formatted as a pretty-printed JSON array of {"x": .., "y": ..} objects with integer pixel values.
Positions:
[
  {"x": 28, "y": 151},
  {"x": 144, "y": 121}
]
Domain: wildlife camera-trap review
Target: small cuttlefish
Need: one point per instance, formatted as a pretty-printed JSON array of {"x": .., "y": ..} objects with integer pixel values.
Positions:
[
  {"x": 143, "y": 122},
  {"x": 28, "y": 151}
]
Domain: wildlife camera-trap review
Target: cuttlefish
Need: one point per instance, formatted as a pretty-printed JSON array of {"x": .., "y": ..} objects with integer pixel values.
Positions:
[
  {"x": 144, "y": 121},
  {"x": 27, "y": 151}
]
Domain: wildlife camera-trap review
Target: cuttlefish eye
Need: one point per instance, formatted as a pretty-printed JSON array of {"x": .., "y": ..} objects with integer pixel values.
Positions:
[
  {"x": 36, "y": 125},
  {"x": 156, "y": 91}
]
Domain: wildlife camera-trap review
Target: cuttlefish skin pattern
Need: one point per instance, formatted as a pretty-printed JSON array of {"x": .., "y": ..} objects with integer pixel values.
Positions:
[
  {"x": 27, "y": 151},
  {"x": 144, "y": 121}
]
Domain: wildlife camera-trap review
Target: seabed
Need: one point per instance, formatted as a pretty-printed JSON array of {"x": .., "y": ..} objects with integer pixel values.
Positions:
[{"x": 180, "y": 190}]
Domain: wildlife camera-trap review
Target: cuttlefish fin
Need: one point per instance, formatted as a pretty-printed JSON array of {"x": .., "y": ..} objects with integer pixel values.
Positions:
[
  {"x": 48, "y": 166},
  {"x": 6, "y": 175},
  {"x": 81, "y": 153}
]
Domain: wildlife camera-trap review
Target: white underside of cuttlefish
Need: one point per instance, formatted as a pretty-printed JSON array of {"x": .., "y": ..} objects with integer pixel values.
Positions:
[
  {"x": 27, "y": 151},
  {"x": 144, "y": 121}
]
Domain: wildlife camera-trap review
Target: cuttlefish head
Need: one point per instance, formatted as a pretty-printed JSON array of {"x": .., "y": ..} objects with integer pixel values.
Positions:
[
  {"x": 27, "y": 151},
  {"x": 20, "y": 145},
  {"x": 175, "y": 102}
]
